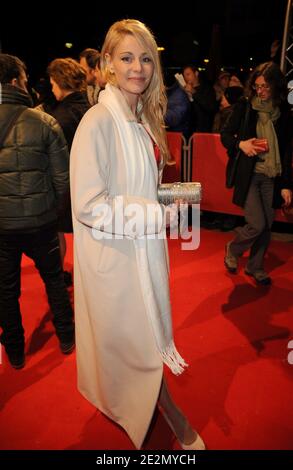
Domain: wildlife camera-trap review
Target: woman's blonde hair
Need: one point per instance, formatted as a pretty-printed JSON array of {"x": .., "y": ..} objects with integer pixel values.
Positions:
[
  {"x": 68, "y": 74},
  {"x": 154, "y": 101}
]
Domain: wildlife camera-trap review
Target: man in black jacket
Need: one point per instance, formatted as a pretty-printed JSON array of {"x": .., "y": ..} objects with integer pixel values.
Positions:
[{"x": 33, "y": 181}]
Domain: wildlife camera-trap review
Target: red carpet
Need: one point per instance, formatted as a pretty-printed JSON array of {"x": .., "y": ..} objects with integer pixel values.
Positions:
[{"x": 237, "y": 391}]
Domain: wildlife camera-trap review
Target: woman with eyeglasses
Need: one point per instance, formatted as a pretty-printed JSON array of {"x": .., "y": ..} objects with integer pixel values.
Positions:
[{"x": 263, "y": 177}]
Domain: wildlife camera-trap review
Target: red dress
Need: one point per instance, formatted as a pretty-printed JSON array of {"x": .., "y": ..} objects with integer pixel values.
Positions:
[{"x": 157, "y": 151}]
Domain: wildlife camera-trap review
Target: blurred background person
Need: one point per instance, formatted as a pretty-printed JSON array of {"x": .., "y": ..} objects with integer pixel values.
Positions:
[
  {"x": 34, "y": 180},
  {"x": 221, "y": 84},
  {"x": 46, "y": 100},
  {"x": 235, "y": 81},
  {"x": 178, "y": 114},
  {"x": 68, "y": 80},
  {"x": 89, "y": 59},
  {"x": 231, "y": 95},
  {"x": 203, "y": 99}
]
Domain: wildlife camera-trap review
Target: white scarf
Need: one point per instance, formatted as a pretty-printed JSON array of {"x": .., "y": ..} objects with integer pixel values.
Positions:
[{"x": 152, "y": 262}]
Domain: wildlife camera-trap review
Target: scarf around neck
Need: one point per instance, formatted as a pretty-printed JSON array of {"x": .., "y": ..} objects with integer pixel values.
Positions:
[
  {"x": 267, "y": 115},
  {"x": 151, "y": 258}
]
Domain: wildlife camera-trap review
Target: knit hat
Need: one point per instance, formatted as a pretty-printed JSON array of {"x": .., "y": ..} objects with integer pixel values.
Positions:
[{"x": 233, "y": 93}]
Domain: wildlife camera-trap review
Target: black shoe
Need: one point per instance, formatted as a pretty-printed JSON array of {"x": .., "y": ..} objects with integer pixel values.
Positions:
[
  {"x": 260, "y": 277},
  {"x": 16, "y": 360},
  {"x": 67, "y": 278},
  {"x": 67, "y": 348}
]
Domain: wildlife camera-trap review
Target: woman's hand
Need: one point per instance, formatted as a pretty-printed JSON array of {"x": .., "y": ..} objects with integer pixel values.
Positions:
[
  {"x": 248, "y": 147},
  {"x": 287, "y": 196},
  {"x": 171, "y": 214}
]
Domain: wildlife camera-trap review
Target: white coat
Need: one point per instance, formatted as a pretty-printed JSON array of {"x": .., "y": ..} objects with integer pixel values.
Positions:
[{"x": 119, "y": 365}]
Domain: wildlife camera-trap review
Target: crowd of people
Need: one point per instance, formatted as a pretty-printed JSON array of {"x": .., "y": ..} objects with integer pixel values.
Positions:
[{"x": 110, "y": 111}]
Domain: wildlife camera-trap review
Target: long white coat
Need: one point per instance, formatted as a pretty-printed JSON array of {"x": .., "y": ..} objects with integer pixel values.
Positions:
[{"x": 119, "y": 366}]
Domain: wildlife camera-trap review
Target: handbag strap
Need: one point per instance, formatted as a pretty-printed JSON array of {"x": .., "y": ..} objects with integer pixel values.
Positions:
[{"x": 9, "y": 125}]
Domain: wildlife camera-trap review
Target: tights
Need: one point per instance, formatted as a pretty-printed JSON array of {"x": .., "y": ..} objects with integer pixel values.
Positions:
[{"x": 174, "y": 416}]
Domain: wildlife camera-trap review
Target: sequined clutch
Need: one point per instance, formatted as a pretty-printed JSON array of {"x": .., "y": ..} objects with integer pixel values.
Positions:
[{"x": 170, "y": 193}]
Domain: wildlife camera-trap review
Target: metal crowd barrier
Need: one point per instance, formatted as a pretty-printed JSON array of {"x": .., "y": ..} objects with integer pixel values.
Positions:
[{"x": 204, "y": 159}]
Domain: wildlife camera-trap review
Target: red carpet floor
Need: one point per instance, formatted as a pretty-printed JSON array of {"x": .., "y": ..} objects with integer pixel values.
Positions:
[{"x": 237, "y": 392}]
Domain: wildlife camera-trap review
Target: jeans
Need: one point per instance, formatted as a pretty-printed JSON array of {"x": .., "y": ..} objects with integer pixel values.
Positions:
[{"x": 43, "y": 248}]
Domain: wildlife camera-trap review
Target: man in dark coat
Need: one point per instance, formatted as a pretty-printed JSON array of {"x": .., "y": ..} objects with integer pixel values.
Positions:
[
  {"x": 178, "y": 114},
  {"x": 33, "y": 181},
  {"x": 203, "y": 100}
]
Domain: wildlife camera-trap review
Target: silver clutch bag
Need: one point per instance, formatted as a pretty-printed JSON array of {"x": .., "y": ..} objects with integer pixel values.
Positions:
[{"x": 189, "y": 193}]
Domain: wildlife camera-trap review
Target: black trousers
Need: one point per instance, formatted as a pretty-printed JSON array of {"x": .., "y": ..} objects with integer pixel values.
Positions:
[
  {"x": 43, "y": 248},
  {"x": 259, "y": 216}
]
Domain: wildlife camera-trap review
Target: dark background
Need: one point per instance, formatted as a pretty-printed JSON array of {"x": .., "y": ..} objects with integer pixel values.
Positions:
[{"x": 228, "y": 32}]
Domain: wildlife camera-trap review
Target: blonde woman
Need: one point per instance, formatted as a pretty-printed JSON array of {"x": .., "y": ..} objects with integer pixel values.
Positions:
[{"x": 122, "y": 303}]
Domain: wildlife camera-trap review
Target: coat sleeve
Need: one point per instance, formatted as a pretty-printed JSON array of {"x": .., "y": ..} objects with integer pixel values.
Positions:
[
  {"x": 58, "y": 156},
  {"x": 92, "y": 203},
  {"x": 231, "y": 128}
]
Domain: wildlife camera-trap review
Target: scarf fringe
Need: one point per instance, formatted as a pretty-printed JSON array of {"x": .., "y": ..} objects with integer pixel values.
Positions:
[{"x": 173, "y": 360}]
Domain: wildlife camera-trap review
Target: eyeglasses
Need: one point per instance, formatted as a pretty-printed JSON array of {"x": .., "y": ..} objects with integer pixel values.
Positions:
[{"x": 261, "y": 87}]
